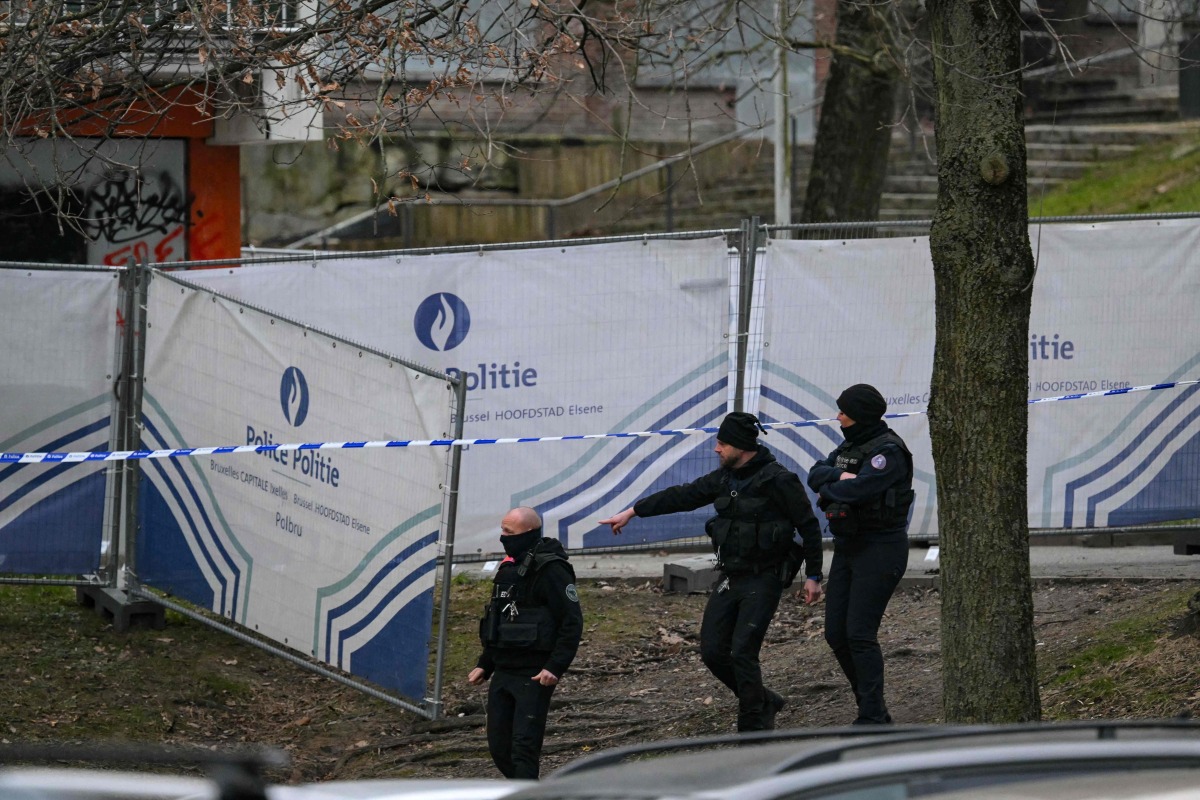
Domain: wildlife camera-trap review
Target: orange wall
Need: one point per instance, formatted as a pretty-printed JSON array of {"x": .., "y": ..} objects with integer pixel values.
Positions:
[
  {"x": 214, "y": 184},
  {"x": 178, "y": 115},
  {"x": 213, "y": 173}
]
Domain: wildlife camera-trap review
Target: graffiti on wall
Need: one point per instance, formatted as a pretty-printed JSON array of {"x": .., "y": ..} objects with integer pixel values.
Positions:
[
  {"x": 138, "y": 212},
  {"x": 141, "y": 217}
]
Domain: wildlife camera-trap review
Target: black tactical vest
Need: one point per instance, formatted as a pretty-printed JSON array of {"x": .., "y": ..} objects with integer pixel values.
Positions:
[
  {"x": 888, "y": 509},
  {"x": 748, "y": 533},
  {"x": 510, "y": 619}
]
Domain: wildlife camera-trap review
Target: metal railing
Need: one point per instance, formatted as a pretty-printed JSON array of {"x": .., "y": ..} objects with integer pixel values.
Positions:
[
  {"x": 552, "y": 205},
  {"x": 268, "y": 15}
]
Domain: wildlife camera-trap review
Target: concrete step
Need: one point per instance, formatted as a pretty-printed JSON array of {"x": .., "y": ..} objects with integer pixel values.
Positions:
[
  {"x": 1050, "y": 171},
  {"x": 733, "y": 201},
  {"x": 1110, "y": 140},
  {"x": 1101, "y": 116},
  {"x": 893, "y": 214},
  {"x": 1077, "y": 151},
  {"x": 921, "y": 202},
  {"x": 904, "y": 184},
  {"x": 1036, "y": 168},
  {"x": 1056, "y": 153},
  {"x": 1077, "y": 89},
  {"x": 1102, "y": 131},
  {"x": 911, "y": 166},
  {"x": 925, "y": 184}
]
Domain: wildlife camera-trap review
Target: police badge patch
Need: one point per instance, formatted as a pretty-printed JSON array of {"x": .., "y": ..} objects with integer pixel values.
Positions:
[
  {"x": 879, "y": 461},
  {"x": 572, "y": 595}
]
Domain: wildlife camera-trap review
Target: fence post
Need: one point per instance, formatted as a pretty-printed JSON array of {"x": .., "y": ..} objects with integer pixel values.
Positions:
[
  {"x": 135, "y": 326},
  {"x": 670, "y": 200},
  {"x": 118, "y": 414},
  {"x": 460, "y": 413},
  {"x": 748, "y": 254}
]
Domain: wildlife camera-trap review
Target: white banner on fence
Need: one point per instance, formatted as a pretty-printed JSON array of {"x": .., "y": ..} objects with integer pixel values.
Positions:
[
  {"x": 57, "y": 372},
  {"x": 331, "y": 553},
  {"x": 1114, "y": 305},
  {"x": 568, "y": 340}
]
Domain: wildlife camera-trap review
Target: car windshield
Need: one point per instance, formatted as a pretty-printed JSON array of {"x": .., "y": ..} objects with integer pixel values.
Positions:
[
  {"x": 894, "y": 765},
  {"x": 1137, "y": 784}
]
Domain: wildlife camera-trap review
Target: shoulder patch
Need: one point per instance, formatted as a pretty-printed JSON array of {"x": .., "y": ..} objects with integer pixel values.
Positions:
[
  {"x": 572, "y": 594},
  {"x": 879, "y": 461}
]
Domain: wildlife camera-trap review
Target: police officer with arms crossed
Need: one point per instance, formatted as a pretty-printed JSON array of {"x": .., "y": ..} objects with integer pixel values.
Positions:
[
  {"x": 865, "y": 490},
  {"x": 760, "y": 505},
  {"x": 530, "y": 633}
]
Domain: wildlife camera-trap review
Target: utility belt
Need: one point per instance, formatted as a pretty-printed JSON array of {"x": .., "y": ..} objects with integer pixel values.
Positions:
[
  {"x": 739, "y": 568},
  {"x": 889, "y": 511}
]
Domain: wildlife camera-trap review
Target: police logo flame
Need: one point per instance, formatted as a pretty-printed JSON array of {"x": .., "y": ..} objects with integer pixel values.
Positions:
[
  {"x": 442, "y": 321},
  {"x": 293, "y": 396}
]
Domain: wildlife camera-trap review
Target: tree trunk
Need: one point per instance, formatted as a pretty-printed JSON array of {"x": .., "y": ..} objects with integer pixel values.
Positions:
[
  {"x": 854, "y": 134},
  {"x": 978, "y": 412}
]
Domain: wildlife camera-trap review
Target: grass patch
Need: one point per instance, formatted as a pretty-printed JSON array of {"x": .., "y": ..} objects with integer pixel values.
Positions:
[
  {"x": 608, "y": 622},
  {"x": 217, "y": 685},
  {"x": 1156, "y": 179},
  {"x": 1119, "y": 641},
  {"x": 467, "y": 599},
  {"x": 612, "y": 615},
  {"x": 1138, "y": 667}
]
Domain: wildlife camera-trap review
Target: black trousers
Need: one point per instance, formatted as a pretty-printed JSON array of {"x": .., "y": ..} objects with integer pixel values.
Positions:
[
  {"x": 735, "y": 624},
  {"x": 517, "y": 707},
  {"x": 862, "y": 578}
]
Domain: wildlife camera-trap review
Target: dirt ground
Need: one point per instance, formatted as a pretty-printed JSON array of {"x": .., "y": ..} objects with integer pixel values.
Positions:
[{"x": 1106, "y": 649}]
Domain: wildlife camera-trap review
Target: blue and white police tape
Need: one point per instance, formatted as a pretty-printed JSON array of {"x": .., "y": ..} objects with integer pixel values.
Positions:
[{"x": 131, "y": 455}]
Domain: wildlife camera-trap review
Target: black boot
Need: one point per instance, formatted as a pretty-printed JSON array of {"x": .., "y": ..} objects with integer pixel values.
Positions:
[{"x": 775, "y": 703}]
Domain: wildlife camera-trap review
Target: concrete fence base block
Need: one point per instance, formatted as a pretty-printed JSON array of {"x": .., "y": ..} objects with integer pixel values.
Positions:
[
  {"x": 1187, "y": 542},
  {"x": 117, "y": 607},
  {"x": 691, "y": 575}
]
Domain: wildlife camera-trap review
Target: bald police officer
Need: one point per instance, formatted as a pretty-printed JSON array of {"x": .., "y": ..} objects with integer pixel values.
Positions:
[{"x": 530, "y": 633}]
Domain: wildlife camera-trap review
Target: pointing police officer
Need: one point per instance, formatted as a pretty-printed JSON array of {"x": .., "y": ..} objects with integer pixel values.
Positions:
[
  {"x": 865, "y": 489},
  {"x": 530, "y": 633},
  {"x": 760, "y": 505}
]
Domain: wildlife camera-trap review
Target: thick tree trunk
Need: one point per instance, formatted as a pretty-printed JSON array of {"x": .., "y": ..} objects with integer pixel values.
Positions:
[
  {"x": 978, "y": 414},
  {"x": 854, "y": 134}
]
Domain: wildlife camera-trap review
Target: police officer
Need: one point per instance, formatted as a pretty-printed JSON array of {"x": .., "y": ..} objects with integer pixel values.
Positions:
[
  {"x": 865, "y": 490},
  {"x": 530, "y": 633},
  {"x": 760, "y": 505}
]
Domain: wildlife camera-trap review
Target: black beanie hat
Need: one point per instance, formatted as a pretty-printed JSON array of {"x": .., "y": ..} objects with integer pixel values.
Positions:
[
  {"x": 862, "y": 403},
  {"x": 740, "y": 430}
]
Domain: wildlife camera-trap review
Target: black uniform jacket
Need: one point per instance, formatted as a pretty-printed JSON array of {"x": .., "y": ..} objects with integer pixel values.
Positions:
[
  {"x": 552, "y": 586},
  {"x": 883, "y": 468},
  {"x": 786, "y": 494}
]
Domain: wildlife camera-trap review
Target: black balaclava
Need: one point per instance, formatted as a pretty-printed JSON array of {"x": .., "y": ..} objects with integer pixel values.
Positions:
[{"x": 516, "y": 544}]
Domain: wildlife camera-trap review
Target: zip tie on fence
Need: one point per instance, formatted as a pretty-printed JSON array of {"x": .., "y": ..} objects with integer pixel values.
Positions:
[{"x": 132, "y": 455}]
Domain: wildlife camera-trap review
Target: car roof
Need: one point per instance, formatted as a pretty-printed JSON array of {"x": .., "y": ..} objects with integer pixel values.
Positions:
[
  {"x": 1167, "y": 784},
  {"x": 118, "y": 771},
  {"x": 46, "y": 783},
  {"x": 947, "y": 769},
  {"x": 767, "y": 764},
  {"x": 401, "y": 789}
]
